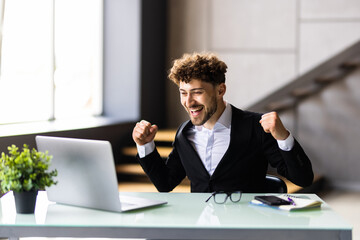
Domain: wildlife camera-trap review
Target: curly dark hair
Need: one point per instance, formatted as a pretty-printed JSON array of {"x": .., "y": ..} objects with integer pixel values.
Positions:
[{"x": 203, "y": 66}]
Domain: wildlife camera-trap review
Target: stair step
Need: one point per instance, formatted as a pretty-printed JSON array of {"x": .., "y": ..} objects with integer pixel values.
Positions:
[
  {"x": 132, "y": 151},
  {"x": 136, "y": 172},
  {"x": 166, "y": 135},
  {"x": 132, "y": 169}
]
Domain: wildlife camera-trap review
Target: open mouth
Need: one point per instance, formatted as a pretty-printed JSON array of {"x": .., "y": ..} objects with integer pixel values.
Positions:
[{"x": 196, "y": 111}]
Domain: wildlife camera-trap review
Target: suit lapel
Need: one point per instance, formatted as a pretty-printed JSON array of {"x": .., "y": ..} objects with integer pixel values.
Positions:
[
  {"x": 189, "y": 150},
  {"x": 239, "y": 140}
]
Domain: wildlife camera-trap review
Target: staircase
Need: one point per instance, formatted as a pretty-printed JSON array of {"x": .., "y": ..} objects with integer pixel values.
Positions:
[{"x": 312, "y": 82}]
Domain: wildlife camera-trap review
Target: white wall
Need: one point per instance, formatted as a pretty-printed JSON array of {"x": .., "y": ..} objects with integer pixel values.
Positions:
[
  {"x": 265, "y": 43},
  {"x": 122, "y": 59}
]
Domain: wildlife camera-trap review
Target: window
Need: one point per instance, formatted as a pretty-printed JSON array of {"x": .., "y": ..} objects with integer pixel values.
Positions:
[{"x": 51, "y": 59}]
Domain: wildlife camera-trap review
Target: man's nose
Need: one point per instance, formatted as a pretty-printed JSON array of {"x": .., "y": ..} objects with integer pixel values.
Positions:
[{"x": 189, "y": 100}]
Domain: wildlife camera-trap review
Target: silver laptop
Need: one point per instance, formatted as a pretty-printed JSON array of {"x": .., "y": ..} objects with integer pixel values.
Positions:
[{"x": 86, "y": 175}]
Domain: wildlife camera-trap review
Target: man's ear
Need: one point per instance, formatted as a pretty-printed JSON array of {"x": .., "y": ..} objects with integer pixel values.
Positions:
[{"x": 221, "y": 89}]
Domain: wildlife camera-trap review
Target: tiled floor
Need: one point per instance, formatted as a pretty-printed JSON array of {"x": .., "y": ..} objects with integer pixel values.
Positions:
[{"x": 346, "y": 204}]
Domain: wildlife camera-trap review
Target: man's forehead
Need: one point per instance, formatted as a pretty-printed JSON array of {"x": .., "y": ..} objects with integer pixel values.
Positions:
[{"x": 194, "y": 84}]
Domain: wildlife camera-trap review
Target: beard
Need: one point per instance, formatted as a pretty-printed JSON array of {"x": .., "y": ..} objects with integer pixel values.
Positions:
[{"x": 206, "y": 112}]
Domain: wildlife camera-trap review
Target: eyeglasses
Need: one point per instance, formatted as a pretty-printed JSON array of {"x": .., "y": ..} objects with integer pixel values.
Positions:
[{"x": 221, "y": 197}]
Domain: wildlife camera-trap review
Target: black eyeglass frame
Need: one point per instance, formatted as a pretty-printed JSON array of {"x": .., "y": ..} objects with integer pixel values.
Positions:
[{"x": 228, "y": 195}]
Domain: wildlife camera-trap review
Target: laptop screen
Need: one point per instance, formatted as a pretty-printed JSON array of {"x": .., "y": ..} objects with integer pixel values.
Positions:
[{"x": 86, "y": 172}]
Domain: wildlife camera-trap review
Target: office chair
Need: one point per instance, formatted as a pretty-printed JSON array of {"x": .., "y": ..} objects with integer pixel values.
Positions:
[{"x": 274, "y": 184}]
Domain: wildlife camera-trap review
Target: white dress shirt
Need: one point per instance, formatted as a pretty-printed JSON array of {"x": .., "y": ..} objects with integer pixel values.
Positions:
[{"x": 211, "y": 144}]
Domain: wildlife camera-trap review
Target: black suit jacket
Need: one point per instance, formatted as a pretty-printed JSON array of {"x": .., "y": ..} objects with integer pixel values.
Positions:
[{"x": 243, "y": 167}]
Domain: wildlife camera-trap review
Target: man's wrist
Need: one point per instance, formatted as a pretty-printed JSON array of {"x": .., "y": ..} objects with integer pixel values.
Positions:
[
  {"x": 287, "y": 144},
  {"x": 144, "y": 150}
]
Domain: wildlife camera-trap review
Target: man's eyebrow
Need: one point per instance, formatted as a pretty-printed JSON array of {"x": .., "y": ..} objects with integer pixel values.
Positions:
[{"x": 191, "y": 90}]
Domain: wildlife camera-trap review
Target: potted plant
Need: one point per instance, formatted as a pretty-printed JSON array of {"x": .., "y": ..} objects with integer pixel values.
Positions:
[{"x": 25, "y": 173}]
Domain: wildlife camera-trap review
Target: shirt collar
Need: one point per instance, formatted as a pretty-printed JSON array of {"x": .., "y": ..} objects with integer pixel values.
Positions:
[
  {"x": 223, "y": 121},
  {"x": 225, "y": 118}
]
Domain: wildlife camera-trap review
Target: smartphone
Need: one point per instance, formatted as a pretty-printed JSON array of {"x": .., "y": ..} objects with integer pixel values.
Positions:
[{"x": 272, "y": 200}]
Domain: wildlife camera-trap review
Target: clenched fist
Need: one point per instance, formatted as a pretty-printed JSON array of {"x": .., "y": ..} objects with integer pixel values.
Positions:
[
  {"x": 144, "y": 132},
  {"x": 271, "y": 123}
]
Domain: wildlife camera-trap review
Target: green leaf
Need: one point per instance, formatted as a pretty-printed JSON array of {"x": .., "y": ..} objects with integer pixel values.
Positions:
[{"x": 26, "y": 170}]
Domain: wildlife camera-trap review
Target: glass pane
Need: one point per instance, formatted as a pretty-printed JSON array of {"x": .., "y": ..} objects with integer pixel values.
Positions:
[
  {"x": 26, "y": 61},
  {"x": 78, "y": 58}
]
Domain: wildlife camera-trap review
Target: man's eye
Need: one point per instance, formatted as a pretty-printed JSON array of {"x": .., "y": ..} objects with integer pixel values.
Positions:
[{"x": 197, "y": 93}]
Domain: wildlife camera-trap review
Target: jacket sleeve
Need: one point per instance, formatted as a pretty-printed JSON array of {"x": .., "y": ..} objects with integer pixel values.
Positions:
[
  {"x": 294, "y": 164},
  {"x": 165, "y": 175}
]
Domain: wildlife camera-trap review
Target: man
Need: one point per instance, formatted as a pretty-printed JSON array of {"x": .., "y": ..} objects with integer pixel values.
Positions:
[{"x": 221, "y": 148}]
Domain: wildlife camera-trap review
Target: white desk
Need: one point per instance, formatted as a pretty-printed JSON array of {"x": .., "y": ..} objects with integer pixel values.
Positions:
[{"x": 186, "y": 216}]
